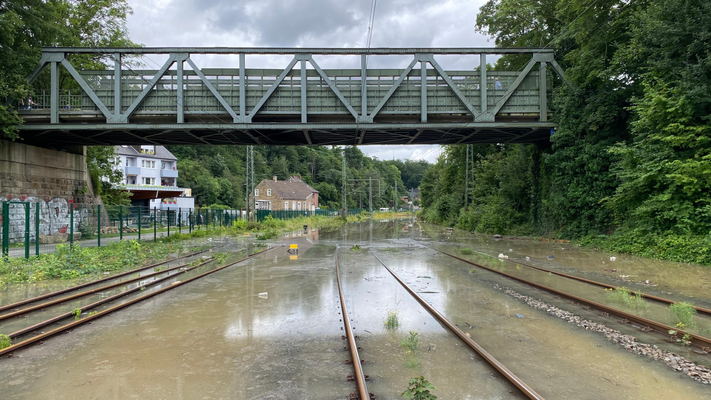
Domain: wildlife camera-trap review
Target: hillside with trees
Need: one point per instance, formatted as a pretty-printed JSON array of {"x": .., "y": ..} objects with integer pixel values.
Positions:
[{"x": 216, "y": 174}]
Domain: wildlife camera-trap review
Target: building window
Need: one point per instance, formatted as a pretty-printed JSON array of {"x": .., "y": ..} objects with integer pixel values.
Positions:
[
  {"x": 269, "y": 192},
  {"x": 293, "y": 205},
  {"x": 299, "y": 206},
  {"x": 149, "y": 181},
  {"x": 286, "y": 205},
  {"x": 148, "y": 164},
  {"x": 256, "y": 192}
]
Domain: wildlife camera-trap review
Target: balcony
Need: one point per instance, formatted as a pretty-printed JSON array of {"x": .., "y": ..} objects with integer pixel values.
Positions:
[
  {"x": 132, "y": 171},
  {"x": 168, "y": 173}
]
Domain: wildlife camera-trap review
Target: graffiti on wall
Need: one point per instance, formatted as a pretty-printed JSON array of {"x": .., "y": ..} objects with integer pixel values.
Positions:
[{"x": 54, "y": 217}]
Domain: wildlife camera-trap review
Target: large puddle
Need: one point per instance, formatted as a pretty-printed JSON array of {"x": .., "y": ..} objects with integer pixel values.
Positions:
[{"x": 269, "y": 328}]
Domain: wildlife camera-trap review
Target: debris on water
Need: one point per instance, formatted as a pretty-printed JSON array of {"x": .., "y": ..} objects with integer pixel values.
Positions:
[
  {"x": 175, "y": 283},
  {"x": 263, "y": 295},
  {"x": 519, "y": 315},
  {"x": 209, "y": 240},
  {"x": 550, "y": 257},
  {"x": 510, "y": 250},
  {"x": 469, "y": 325},
  {"x": 613, "y": 258},
  {"x": 528, "y": 258},
  {"x": 497, "y": 236},
  {"x": 468, "y": 335},
  {"x": 503, "y": 256},
  {"x": 206, "y": 257},
  {"x": 425, "y": 277}
]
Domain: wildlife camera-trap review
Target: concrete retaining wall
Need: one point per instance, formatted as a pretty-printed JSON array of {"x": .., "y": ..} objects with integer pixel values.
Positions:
[{"x": 55, "y": 179}]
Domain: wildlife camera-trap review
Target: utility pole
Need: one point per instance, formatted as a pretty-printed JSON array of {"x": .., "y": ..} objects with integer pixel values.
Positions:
[
  {"x": 395, "y": 203},
  {"x": 466, "y": 184},
  {"x": 370, "y": 183},
  {"x": 344, "y": 206},
  {"x": 251, "y": 168},
  {"x": 246, "y": 183}
]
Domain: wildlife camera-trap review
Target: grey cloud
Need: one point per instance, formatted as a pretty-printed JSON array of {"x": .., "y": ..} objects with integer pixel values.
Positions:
[{"x": 282, "y": 22}]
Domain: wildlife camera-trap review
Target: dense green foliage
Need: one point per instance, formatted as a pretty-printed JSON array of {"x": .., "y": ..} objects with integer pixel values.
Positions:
[
  {"x": 629, "y": 168},
  {"x": 216, "y": 174}
]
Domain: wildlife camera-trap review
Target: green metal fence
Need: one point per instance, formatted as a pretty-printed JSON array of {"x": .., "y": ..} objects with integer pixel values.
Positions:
[{"x": 28, "y": 229}]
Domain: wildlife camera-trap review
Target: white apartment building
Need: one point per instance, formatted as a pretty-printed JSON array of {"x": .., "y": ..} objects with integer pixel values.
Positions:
[{"x": 151, "y": 174}]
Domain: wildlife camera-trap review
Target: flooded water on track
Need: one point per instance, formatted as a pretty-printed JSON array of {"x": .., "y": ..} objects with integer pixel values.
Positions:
[{"x": 269, "y": 328}]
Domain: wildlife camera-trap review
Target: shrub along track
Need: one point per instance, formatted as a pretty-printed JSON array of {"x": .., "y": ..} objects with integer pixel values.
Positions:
[
  {"x": 90, "y": 317},
  {"x": 83, "y": 285},
  {"x": 510, "y": 376},
  {"x": 699, "y": 341}
]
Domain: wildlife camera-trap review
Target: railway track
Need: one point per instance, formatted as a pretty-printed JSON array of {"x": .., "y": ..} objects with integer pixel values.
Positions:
[
  {"x": 658, "y": 299},
  {"x": 696, "y": 340},
  {"x": 92, "y": 316},
  {"x": 87, "y": 284},
  {"x": 496, "y": 364},
  {"x": 360, "y": 378}
]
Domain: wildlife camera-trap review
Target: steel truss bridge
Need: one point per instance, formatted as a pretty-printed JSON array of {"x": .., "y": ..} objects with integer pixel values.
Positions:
[{"x": 181, "y": 103}]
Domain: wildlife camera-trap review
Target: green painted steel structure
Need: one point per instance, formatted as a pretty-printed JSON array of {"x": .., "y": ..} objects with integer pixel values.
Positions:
[{"x": 181, "y": 103}]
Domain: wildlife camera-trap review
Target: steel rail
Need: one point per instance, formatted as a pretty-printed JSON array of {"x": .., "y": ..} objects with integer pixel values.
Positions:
[
  {"x": 608, "y": 286},
  {"x": 102, "y": 301},
  {"x": 299, "y": 50},
  {"x": 88, "y": 292},
  {"x": 700, "y": 341},
  {"x": 117, "y": 307},
  {"x": 73, "y": 288},
  {"x": 510, "y": 376},
  {"x": 360, "y": 377}
]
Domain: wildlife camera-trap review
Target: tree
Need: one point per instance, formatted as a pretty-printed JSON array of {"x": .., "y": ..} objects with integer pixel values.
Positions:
[
  {"x": 665, "y": 172},
  {"x": 28, "y": 25}
]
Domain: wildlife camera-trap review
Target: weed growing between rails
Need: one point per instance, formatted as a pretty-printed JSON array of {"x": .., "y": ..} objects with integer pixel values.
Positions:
[
  {"x": 5, "y": 341},
  {"x": 685, "y": 313},
  {"x": 392, "y": 321},
  {"x": 624, "y": 296},
  {"x": 419, "y": 389},
  {"x": 411, "y": 343}
]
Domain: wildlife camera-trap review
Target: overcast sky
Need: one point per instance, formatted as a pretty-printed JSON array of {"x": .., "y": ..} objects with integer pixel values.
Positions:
[{"x": 312, "y": 23}]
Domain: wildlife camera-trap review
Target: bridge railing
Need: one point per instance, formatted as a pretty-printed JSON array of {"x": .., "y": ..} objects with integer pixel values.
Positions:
[{"x": 302, "y": 92}]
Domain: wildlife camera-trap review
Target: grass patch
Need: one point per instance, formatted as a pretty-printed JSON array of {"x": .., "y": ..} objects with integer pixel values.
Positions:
[{"x": 466, "y": 251}]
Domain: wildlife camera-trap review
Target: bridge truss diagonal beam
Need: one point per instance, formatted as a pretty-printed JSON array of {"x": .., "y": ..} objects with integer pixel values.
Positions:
[
  {"x": 214, "y": 91},
  {"x": 273, "y": 88}
]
